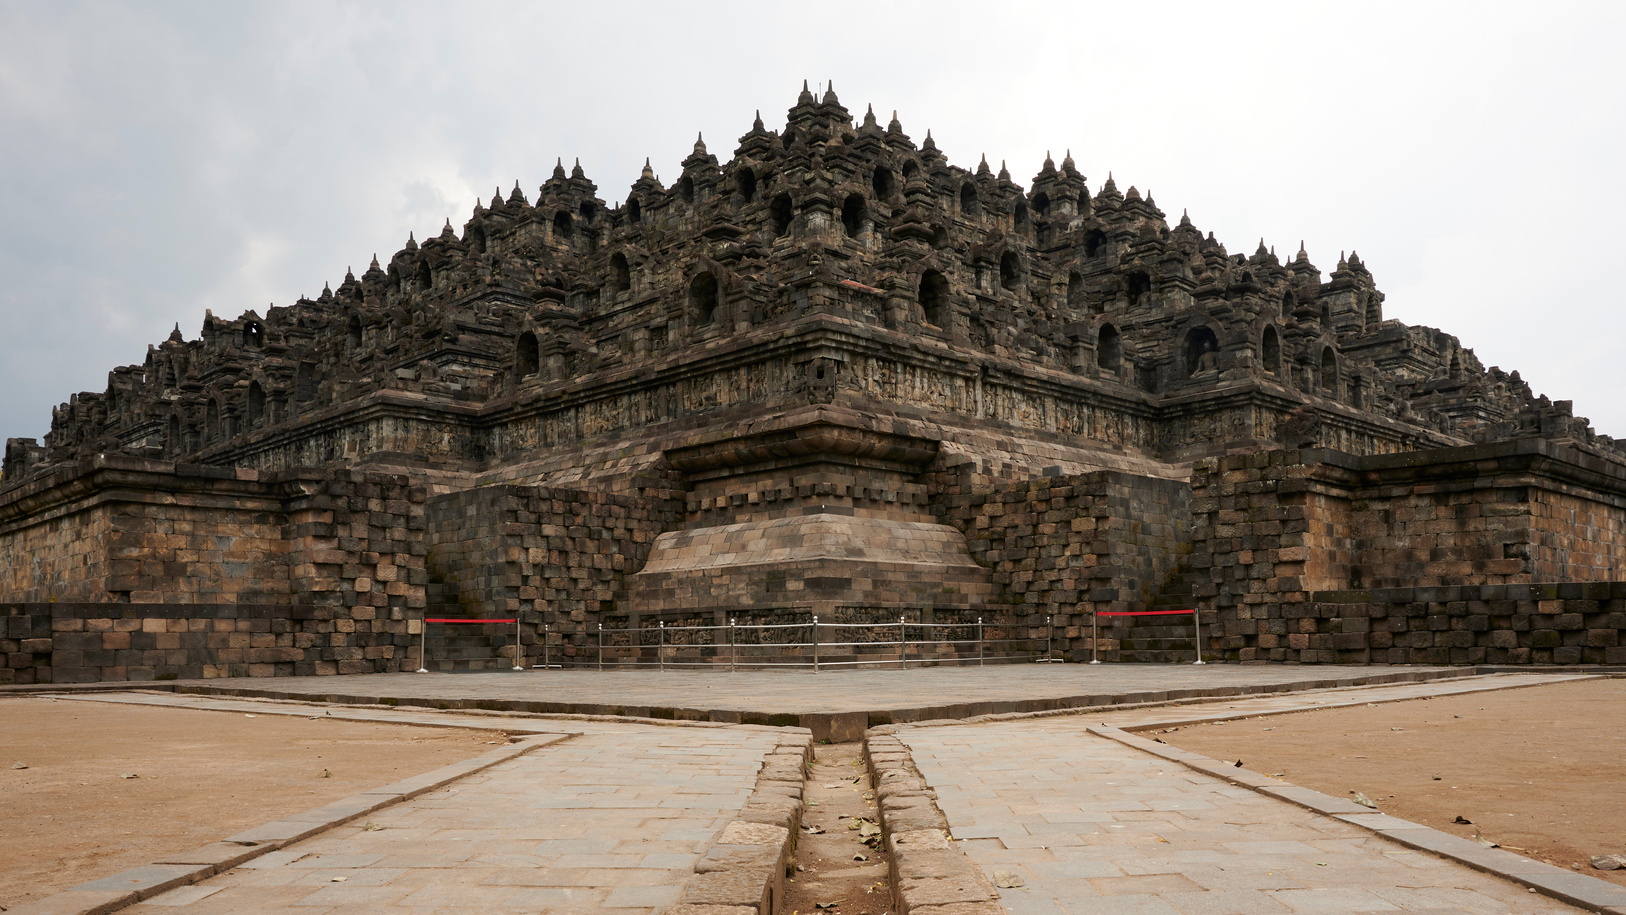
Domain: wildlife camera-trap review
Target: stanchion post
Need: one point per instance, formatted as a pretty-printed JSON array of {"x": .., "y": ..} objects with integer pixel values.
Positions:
[
  {"x": 519, "y": 658},
  {"x": 600, "y": 646},
  {"x": 903, "y": 645},
  {"x": 423, "y": 643},
  {"x": 1049, "y": 633},
  {"x": 1095, "y": 637},
  {"x": 979, "y": 641},
  {"x": 660, "y": 649},
  {"x": 815, "y": 643},
  {"x": 546, "y": 654},
  {"x": 1197, "y": 628},
  {"x": 731, "y": 652}
]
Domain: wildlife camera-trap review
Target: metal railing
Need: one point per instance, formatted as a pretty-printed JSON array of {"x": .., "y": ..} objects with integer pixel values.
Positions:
[{"x": 815, "y": 644}]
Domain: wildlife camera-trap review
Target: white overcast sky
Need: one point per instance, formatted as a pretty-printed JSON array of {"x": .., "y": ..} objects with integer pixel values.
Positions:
[{"x": 157, "y": 159}]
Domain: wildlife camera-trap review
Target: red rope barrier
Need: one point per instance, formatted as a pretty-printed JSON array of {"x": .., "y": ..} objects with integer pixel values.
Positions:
[
  {"x": 470, "y": 621},
  {"x": 1142, "y": 612}
]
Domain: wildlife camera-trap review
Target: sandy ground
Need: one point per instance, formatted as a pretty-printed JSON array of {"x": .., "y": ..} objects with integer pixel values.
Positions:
[
  {"x": 1539, "y": 770},
  {"x": 73, "y": 815}
]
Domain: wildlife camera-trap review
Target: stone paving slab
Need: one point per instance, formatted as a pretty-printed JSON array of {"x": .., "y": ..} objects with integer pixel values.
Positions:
[
  {"x": 1091, "y": 825},
  {"x": 835, "y": 705},
  {"x": 612, "y": 820}
]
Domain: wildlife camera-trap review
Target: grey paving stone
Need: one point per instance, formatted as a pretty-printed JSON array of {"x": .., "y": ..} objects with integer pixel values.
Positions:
[
  {"x": 580, "y": 826},
  {"x": 1161, "y": 838}
]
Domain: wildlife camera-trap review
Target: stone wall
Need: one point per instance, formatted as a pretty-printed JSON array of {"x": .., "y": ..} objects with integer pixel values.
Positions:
[
  {"x": 1270, "y": 527},
  {"x": 1571, "y": 623},
  {"x": 551, "y": 556},
  {"x": 122, "y": 568},
  {"x": 126, "y": 530},
  {"x": 93, "y": 642},
  {"x": 1064, "y": 545},
  {"x": 1316, "y": 556},
  {"x": 64, "y": 557}
]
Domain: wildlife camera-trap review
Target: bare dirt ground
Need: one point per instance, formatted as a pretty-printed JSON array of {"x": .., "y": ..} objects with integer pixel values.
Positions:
[
  {"x": 1538, "y": 770},
  {"x": 839, "y": 868},
  {"x": 73, "y": 814}
]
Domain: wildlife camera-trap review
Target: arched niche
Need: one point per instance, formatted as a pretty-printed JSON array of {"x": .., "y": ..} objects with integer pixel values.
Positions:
[
  {"x": 1137, "y": 285},
  {"x": 1270, "y": 351},
  {"x": 703, "y": 298},
  {"x": 1329, "y": 372},
  {"x": 1095, "y": 243},
  {"x": 1109, "y": 353},
  {"x": 882, "y": 183},
  {"x": 1010, "y": 270},
  {"x": 781, "y": 213},
  {"x": 745, "y": 185},
  {"x": 620, "y": 273},
  {"x": 969, "y": 204},
  {"x": 852, "y": 215},
  {"x": 256, "y": 403},
  {"x": 1076, "y": 293},
  {"x": 527, "y": 355},
  {"x": 1201, "y": 351},
  {"x": 933, "y": 298}
]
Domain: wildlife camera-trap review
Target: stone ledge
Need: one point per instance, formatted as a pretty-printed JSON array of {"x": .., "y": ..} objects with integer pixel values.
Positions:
[
  {"x": 928, "y": 873},
  {"x": 743, "y": 872}
]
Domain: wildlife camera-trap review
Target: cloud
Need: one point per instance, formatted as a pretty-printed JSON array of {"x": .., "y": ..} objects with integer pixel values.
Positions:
[{"x": 161, "y": 159}]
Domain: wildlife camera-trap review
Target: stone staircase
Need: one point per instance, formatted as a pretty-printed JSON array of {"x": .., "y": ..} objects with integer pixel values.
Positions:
[{"x": 1162, "y": 639}]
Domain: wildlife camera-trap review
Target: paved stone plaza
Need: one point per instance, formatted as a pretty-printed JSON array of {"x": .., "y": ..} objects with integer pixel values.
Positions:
[{"x": 618, "y": 815}]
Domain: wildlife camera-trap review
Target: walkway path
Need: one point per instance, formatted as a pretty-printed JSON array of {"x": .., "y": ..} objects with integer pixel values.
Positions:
[
  {"x": 1093, "y": 826},
  {"x": 608, "y": 821}
]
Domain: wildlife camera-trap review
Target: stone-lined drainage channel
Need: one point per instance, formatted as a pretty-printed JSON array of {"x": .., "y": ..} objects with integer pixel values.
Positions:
[{"x": 841, "y": 864}]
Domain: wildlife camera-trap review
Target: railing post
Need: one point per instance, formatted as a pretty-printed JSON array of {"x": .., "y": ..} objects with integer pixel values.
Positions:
[
  {"x": 1095, "y": 637},
  {"x": 600, "y": 646},
  {"x": 903, "y": 645},
  {"x": 815, "y": 643},
  {"x": 423, "y": 643},
  {"x": 1197, "y": 625},
  {"x": 660, "y": 650},
  {"x": 979, "y": 641},
  {"x": 519, "y": 662},
  {"x": 546, "y": 654},
  {"x": 731, "y": 651},
  {"x": 1049, "y": 633}
]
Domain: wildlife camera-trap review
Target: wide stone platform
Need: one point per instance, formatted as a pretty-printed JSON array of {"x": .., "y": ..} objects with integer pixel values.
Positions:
[{"x": 835, "y": 706}]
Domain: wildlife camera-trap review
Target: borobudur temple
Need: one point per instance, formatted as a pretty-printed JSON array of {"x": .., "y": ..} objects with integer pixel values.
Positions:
[{"x": 833, "y": 375}]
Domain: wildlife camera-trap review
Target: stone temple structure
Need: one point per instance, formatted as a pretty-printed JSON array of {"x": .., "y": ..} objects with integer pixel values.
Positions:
[{"x": 834, "y": 374}]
